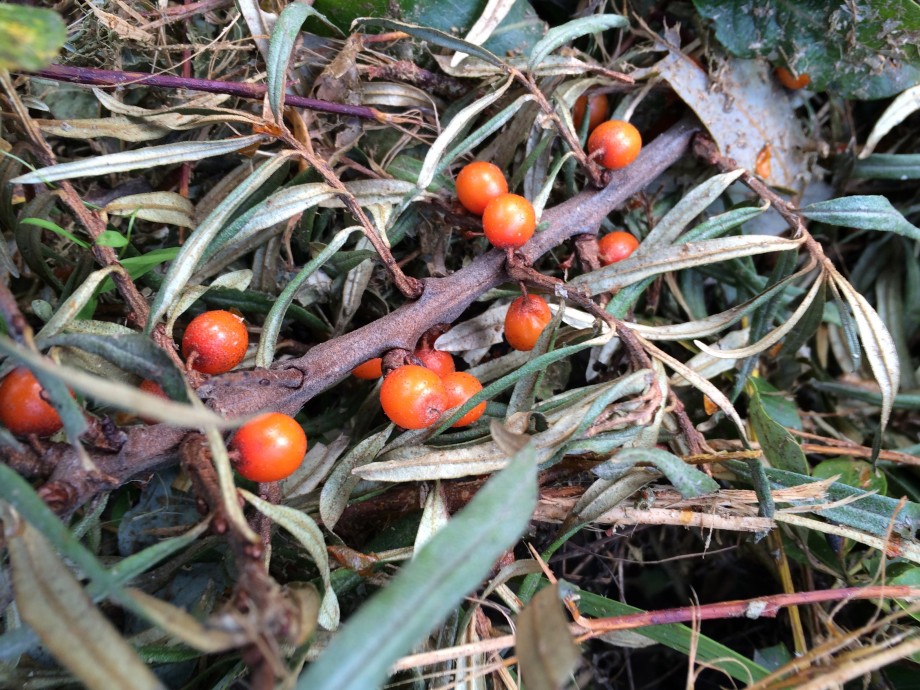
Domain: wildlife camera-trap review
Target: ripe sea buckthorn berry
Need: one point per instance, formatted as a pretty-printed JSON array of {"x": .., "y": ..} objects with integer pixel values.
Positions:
[
  {"x": 790, "y": 81},
  {"x": 156, "y": 389},
  {"x": 618, "y": 141},
  {"x": 526, "y": 318},
  {"x": 22, "y": 409},
  {"x": 461, "y": 387},
  {"x": 509, "y": 221},
  {"x": 597, "y": 111},
  {"x": 440, "y": 362},
  {"x": 478, "y": 183},
  {"x": 218, "y": 339},
  {"x": 370, "y": 370},
  {"x": 616, "y": 246},
  {"x": 413, "y": 397},
  {"x": 270, "y": 447}
]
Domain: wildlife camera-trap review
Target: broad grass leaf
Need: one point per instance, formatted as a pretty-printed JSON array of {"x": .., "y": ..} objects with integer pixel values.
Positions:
[
  {"x": 281, "y": 45},
  {"x": 30, "y": 37},
  {"x": 780, "y": 447},
  {"x": 863, "y": 212},
  {"x": 55, "y": 606},
  {"x": 546, "y": 652},
  {"x": 430, "y": 586},
  {"x": 561, "y": 35},
  {"x": 302, "y": 527},
  {"x": 139, "y": 159}
]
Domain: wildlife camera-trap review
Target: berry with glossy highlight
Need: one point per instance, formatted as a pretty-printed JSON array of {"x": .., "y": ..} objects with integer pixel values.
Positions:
[
  {"x": 370, "y": 370},
  {"x": 526, "y": 318},
  {"x": 23, "y": 410},
  {"x": 597, "y": 107},
  {"x": 509, "y": 221},
  {"x": 219, "y": 339},
  {"x": 461, "y": 387},
  {"x": 616, "y": 246},
  {"x": 269, "y": 448},
  {"x": 618, "y": 141},
  {"x": 413, "y": 397},
  {"x": 478, "y": 183},
  {"x": 440, "y": 362}
]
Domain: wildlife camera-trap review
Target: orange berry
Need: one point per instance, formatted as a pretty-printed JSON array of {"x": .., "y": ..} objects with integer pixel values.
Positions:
[
  {"x": 525, "y": 321},
  {"x": 618, "y": 141},
  {"x": 461, "y": 387},
  {"x": 790, "y": 81},
  {"x": 270, "y": 447},
  {"x": 370, "y": 370},
  {"x": 478, "y": 183},
  {"x": 597, "y": 110},
  {"x": 616, "y": 246},
  {"x": 23, "y": 410},
  {"x": 413, "y": 397},
  {"x": 219, "y": 339},
  {"x": 509, "y": 221},
  {"x": 440, "y": 362},
  {"x": 156, "y": 389}
]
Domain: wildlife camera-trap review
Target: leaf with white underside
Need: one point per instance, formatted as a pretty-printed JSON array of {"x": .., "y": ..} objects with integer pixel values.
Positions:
[
  {"x": 302, "y": 527},
  {"x": 142, "y": 158},
  {"x": 863, "y": 212},
  {"x": 427, "y": 588},
  {"x": 338, "y": 487},
  {"x": 561, "y": 35},
  {"x": 877, "y": 342},
  {"x": 902, "y": 107},
  {"x": 678, "y": 257},
  {"x": 773, "y": 336},
  {"x": 491, "y": 17}
]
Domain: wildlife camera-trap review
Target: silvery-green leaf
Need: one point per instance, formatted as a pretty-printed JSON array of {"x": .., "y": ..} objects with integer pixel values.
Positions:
[
  {"x": 863, "y": 212},
  {"x": 688, "y": 480},
  {"x": 54, "y": 605},
  {"x": 192, "y": 251},
  {"x": 678, "y": 257},
  {"x": 453, "y": 129},
  {"x": 491, "y": 17},
  {"x": 354, "y": 287},
  {"x": 692, "y": 204},
  {"x": 433, "y": 36},
  {"x": 74, "y": 304},
  {"x": 605, "y": 494},
  {"x": 427, "y": 588},
  {"x": 314, "y": 468},
  {"x": 563, "y": 34},
  {"x": 337, "y": 489},
  {"x": 272, "y": 325},
  {"x": 434, "y": 516},
  {"x": 395, "y": 95},
  {"x": 302, "y": 527},
  {"x": 157, "y": 207},
  {"x": 449, "y": 463},
  {"x": 773, "y": 336},
  {"x": 280, "y": 46},
  {"x": 906, "y": 103},
  {"x": 877, "y": 343},
  {"x": 142, "y": 158}
]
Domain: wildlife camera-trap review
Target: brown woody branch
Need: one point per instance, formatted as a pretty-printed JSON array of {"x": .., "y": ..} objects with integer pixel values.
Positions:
[{"x": 290, "y": 384}]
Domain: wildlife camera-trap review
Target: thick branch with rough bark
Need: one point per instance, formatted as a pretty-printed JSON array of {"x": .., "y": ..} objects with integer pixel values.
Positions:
[{"x": 290, "y": 384}]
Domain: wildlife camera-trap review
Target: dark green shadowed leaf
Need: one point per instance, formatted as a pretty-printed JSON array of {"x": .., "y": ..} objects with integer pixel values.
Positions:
[
  {"x": 449, "y": 566},
  {"x": 780, "y": 447},
  {"x": 863, "y": 212}
]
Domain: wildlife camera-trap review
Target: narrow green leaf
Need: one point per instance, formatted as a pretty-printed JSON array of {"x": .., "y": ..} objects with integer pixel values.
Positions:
[
  {"x": 56, "y": 229},
  {"x": 448, "y": 567},
  {"x": 863, "y": 212},
  {"x": 888, "y": 166},
  {"x": 438, "y": 38},
  {"x": 112, "y": 238},
  {"x": 780, "y": 447},
  {"x": 561, "y": 35},
  {"x": 688, "y": 480}
]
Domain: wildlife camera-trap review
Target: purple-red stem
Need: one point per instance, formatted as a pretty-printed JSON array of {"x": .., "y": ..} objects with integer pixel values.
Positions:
[{"x": 108, "y": 77}]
